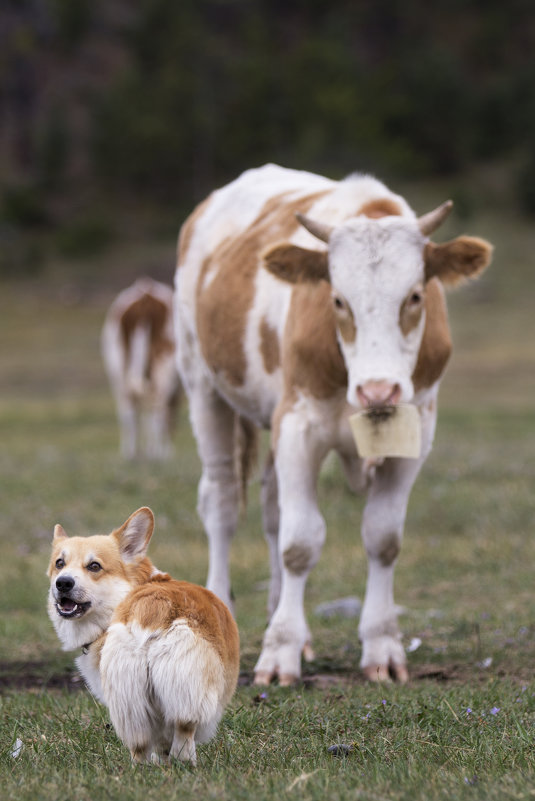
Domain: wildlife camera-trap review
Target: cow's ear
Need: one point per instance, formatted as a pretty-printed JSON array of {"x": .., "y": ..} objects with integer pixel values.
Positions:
[
  {"x": 456, "y": 261},
  {"x": 295, "y": 265}
]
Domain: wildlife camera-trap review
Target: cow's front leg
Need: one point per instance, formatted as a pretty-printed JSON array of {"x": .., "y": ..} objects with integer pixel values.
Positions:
[
  {"x": 271, "y": 522},
  {"x": 383, "y": 655},
  {"x": 301, "y": 537}
]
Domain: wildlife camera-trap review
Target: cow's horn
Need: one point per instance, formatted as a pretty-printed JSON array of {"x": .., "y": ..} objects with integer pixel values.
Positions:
[
  {"x": 317, "y": 229},
  {"x": 429, "y": 222}
]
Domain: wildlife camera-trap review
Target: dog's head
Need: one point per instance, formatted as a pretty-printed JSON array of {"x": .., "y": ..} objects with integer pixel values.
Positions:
[{"x": 89, "y": 576}]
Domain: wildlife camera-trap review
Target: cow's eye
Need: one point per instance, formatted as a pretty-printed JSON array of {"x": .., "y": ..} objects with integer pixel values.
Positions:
[
  {"x": 94, "y": 567},
  {"x": 415, "y": 298},
  {"x": 338, "y": 303},
  {"x": 60, "y": 564}
]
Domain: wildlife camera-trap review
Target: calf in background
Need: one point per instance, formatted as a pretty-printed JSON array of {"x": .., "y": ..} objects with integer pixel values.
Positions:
[{"x": 138, "y": 349}]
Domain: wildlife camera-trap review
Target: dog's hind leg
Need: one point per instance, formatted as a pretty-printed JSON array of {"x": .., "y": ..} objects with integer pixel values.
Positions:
[
  {"x": 125, "y": 685},
  {"x": 183, "y": 747}
]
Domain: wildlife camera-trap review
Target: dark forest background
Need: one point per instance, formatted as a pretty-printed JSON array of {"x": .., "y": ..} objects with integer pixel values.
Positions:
[{"x": 114, "y": 108}]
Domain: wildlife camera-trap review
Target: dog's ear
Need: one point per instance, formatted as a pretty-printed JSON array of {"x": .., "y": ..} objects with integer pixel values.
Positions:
[
  {"x": 134, "y": 535},
  {"x": 59, "y": 533}
]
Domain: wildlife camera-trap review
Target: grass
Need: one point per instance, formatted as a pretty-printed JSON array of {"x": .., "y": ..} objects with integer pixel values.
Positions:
[{"x": 464, "y": 578}]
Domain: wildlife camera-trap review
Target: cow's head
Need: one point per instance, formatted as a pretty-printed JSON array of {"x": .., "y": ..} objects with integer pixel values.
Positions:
[{"x": 378, "y": 270}]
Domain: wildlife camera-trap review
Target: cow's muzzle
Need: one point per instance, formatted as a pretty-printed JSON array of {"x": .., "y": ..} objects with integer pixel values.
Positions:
[{"x": 378, "y": 393}]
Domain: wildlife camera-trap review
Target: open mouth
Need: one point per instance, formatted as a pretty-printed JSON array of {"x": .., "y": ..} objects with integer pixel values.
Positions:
[{"x": 68, "y": 608}]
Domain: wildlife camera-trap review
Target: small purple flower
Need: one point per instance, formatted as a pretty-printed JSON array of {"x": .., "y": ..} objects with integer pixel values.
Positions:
[
  {"x": 494, "y": 710},
  {"x": 383, "y": 702},
  {"x": 468, "y": 710}
]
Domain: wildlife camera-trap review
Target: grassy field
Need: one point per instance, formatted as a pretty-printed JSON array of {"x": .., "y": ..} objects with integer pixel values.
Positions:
[{"x": 464, "y": 727}]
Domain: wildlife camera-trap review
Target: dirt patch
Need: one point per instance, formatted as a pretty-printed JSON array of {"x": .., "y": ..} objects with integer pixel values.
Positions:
[
  {"x": 37, "y": 675},
  {"x": 452, "y": 673}
]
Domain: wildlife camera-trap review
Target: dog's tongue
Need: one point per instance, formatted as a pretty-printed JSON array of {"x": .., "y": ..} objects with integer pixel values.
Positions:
[{"x": 67, "y": 605}]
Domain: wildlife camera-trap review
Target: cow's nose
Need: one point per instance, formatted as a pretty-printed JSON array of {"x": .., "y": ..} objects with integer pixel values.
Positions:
[
  {"x": 64, "y": 583},
  {"x": 378, "y": 393}
]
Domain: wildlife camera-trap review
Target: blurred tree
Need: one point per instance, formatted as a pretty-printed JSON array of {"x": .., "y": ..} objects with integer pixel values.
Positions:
[{"x": 162, "y": 100}]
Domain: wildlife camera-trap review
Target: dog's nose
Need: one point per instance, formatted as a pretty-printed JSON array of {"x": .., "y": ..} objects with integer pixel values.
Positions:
[{"x": 64, "y": 583}]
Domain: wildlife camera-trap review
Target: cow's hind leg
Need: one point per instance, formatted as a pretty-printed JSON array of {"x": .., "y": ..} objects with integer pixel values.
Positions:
[
  {"x": 156, "y": 434},
  {"x": 213, "y": 423},
  {"x": 128, "y": 417}
]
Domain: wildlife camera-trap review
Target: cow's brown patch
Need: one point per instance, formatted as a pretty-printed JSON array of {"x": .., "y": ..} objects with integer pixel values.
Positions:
[
  {"x": 297, "y": 559},
  {"x": 389, "y": 550},
  {"x": 383, "y": 207},
  {"x": 269, "y": 347},
  {"x": 153, "y": 313},
  {"x": 435, "y": 349},
  {"x": 455, "y": 261},
  {"x": 223, "y": 304},
  {"x": 295, "y": 264},
  {"x": 312, "y": 360}
]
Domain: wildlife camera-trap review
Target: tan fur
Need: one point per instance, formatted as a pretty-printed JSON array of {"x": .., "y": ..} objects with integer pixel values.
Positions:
[
  {"x": 436, "y": 346},
  {"x": 237, "y": 262},
  {"x": 312, "y": 360},
  {"x": 148, "y": 310},
  {"x": 384, "y": 207},
  {"x": 130, "y": 601},
  {"x": 456, "y": 261},
  {"x": 294, "y": 264},
  {"x": 269, "y": 347}
]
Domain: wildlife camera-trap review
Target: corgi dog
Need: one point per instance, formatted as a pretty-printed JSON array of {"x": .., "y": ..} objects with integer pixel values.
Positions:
[{"x": 163, "y": 655}]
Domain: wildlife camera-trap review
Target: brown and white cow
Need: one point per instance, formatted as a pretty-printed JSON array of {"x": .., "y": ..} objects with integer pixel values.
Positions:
[
  {"x": 138, "y": 348},
  {"x": 295, "y": 325}
]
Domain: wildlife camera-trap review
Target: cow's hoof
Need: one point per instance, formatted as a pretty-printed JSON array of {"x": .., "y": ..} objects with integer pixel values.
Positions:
[
  {"x": 377, "y": 673},
  {"x": 308, "y": 652},
  {"x": 387, "y": 673},
  {"x": 287, "y": 680},
  {"x": 262, "y": 678},
  {"x": 399, "y": 673}
]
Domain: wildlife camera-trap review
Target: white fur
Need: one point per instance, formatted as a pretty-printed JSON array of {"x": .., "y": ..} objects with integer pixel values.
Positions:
[{"x": 178, "y": 678}]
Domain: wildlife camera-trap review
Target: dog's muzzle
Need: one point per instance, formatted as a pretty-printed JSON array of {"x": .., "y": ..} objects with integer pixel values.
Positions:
[{"x": 67, "y": 605}]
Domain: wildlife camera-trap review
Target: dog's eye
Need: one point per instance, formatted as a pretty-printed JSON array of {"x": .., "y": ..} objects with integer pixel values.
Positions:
[
  {"x": 94, "y": 567},
  {"x": 59, "y": 564}
]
